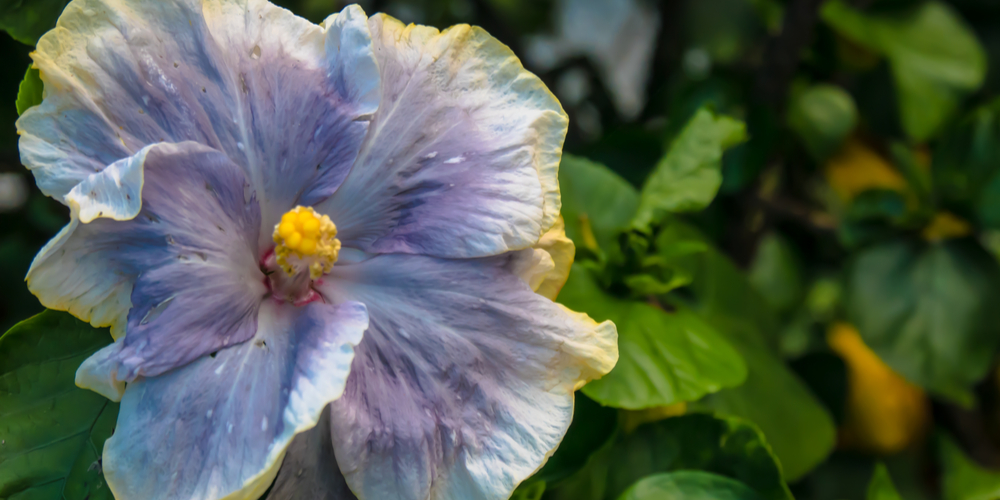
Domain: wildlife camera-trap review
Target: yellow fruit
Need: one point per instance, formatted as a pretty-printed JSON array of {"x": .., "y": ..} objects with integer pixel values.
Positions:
[
  {"x": 945, "y": 226},
  {"x": 856, "y": 168},
  {"x": 885, "y": 413}
]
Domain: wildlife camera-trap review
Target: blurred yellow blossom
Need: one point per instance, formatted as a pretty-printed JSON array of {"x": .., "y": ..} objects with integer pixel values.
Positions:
[{"x": 885, "y": 413}]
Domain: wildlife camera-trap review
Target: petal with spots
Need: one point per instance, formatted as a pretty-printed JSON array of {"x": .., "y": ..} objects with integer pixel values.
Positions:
[
  {"x": 181, "y": 276},
  {"x": 286, "y": 100},
  {"x": 219, "y": 427}
]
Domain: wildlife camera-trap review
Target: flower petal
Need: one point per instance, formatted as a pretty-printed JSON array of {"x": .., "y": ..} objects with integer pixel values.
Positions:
[
  {"x": 285, "y": 99},
  {"x": 463, "y": 384},
  {"x": 545, "y": 267},
  {"x": 219, "y": 427},
  {"x": 462, "y": 156},
  {"x": 184, "y": 269},
  {"x": 308, "y": 95}
]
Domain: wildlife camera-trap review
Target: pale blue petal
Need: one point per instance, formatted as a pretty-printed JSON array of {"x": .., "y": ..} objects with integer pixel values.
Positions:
[
  {"x": 461, "y": 159},
  {"x": 187, "y": 261},
  {"x": 115, "y": 192},
  {"x": 307, "y": 94},
  {"x": 463, "y": 384},
  {"x": 285, "y": 99},
  {"x": 219, "y": 427},
  {"x": 99, "y": 372}
]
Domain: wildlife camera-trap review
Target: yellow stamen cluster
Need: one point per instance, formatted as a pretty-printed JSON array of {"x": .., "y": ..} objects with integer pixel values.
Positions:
[{"x": 306, "y": 239}]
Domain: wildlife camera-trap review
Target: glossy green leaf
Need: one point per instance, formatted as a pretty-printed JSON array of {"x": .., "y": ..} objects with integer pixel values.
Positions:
[
  {"x": 881, "y": 486},
  {"x": 728, "y": 446},
  {"x": 929, "y": 311},
  {"x": 963, "y": 479},
  {"x": 689, "y": 175},
  {"x": 664, "y": 357},
  {"x": 29, "y": 93},
  {"x": 595, "y": 201},
  {"x": 798, "y": 427},
  {"x": 822, "y": 116},
  {"x": 27, "y": 20},
  {"x": 935, "y": 57},
  {"x": 52, "y": 432},
  {"x": 689, "y": 485}
]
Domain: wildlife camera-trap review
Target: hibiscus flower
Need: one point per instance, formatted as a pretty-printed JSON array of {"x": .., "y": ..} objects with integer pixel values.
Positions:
[{"x": 274, "y": 216}]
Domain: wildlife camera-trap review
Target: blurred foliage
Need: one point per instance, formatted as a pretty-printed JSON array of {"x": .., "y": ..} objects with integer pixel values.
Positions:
[
  {"x": 881, "y": 486},
  {"x": 935, "y": 59},
  {"x": 963, "y": 478},
  {"x": 790, "y": 208},
  {"x": 929, "y": 311},
  {"x": 27, "y": 20}
]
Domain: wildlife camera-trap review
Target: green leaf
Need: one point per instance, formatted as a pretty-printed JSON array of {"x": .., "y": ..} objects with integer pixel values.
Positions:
[
  {"x": 689, "y": 485},
  {"x": 52, "y": 432},
  {"x": 935, "y": 58},
  {"x": 876, "y": 215},
  {"x": 689, "y": 175},
  {"x": 652, "y": 270},
  {"x": 966, "y": 164},
  {"x": 529, "y": 491},
  {"x": 822, "y": 116},
  {"x": 664, "y": 358},
  {"x": 796, "y": 424},
  {"x": 720, "y": 287},
  {"x": 881, "y": 487},
  {"x": 728, "y": 446},
  {"x": 776, "y": 274},
  {"x": 929, "y": 311},
  {"x": 724, "y": 445},
  {"x": 907, "y": 160},
  {"x": 962, "y": 478},
  {"x": 595, "y": 202},
  {"x": 27, "y": 20},
  {"x": 29, "y": 93},
  {"x": 801, "y": 431},
  {"x": 883, "y": 204}
]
